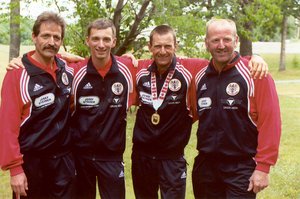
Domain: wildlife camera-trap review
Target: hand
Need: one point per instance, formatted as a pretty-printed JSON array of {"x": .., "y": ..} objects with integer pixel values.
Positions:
[
  {"x": 15, "y": 63},
  {"x": 133, "y": 59},
  {"x": 71, "y": 57},
  {"x": 19, "y": 184},
  {"x": 258, "y": 181},
  {"x": 258, "y": 67}
]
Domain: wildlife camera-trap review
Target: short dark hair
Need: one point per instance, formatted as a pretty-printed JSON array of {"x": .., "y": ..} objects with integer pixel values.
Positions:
[
  {"x": 162, "y": 30},
  {"x": 101, "y": 24},
  {"x": 49, "y": 17}
]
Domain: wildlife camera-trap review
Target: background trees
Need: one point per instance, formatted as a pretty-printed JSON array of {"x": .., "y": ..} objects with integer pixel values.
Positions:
[{"x": 257, "y": 20}]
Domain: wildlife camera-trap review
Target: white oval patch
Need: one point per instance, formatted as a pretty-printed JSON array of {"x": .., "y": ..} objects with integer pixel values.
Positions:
[
  {"x": 89, "y": 100},
  {"x": 65, "y": 79},
  {"x": 204, "y": 102},
  {"x": 174, "y": 85},
  {"x": 117, "y": 88},
  {"x": 44, "y": 100},
  {"x": 232, "y": 89},
  {"x": 145, "y": 98}
]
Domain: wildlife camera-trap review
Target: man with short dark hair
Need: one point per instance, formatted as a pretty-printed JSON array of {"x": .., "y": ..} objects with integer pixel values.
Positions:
[
  {"x": 34, "y": 113},
  {"x": 103, "y": 92}
]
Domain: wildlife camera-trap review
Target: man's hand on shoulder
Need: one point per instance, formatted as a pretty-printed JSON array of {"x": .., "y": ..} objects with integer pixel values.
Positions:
[
  {"x": 69, "y": 57},
  {"x": 15, "y": 63},
  {"x": 258, "y": 67},
  {"x": 133, "y": 59}
]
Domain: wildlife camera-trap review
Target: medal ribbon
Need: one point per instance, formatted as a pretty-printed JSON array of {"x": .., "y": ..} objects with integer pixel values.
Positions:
[{"x": 157, "y": 101}]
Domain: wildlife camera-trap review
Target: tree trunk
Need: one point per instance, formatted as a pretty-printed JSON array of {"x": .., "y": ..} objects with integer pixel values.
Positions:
[
  {"x": 15, "y": 36},
  {"x": 245, "y": 42},
  {"x": 133, "y": 32},
  {"x": 245, "y": 46},
  {"x": 283, "y": 38}
]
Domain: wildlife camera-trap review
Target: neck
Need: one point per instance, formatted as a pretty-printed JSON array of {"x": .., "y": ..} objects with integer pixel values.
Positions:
[
  {"x": 48, "y": 62},
  {"x": 219, "y": 66},
  {"x": 162, "y": 69},
  {"x": 100, "y": 63}
]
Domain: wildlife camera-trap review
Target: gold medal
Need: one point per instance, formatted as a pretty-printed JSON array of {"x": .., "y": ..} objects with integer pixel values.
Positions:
[{"x": 155, "y": 118}]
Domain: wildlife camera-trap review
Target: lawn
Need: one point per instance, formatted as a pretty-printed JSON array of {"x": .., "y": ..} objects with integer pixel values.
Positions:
[{"x": 284, "y": 177}]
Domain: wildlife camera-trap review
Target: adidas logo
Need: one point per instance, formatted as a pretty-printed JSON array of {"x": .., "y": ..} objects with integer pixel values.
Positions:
[
  {"x": 121, "y": 175},
  {"x": 183, "y": 175},
  {"x": 203, "y": 87},
  {"x": 37, "y": 87},
  {"x": 88, "y": 86},
  {"x": 146, "y": 84}
]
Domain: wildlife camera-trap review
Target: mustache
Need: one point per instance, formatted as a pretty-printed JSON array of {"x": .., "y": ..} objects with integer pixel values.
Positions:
[{"x": 50, "y": 47}]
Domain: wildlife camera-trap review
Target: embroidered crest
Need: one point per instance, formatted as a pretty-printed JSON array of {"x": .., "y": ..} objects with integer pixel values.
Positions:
[
  {"x": 174, "y": 85},
  {"x": 117, "y": 88},
  {"x": 232, "y": 89}
]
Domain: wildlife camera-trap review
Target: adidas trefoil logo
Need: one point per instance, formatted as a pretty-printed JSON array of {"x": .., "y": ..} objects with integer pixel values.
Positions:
[
  {"x": 88, "y": 86},
  {"x": 121, "y": 175},
  {"x": 37, "y": 87},
  {"x": 203, "y": 87},
  {"x": 183, "y": 175},
  {"x": 146, "y": 84}
]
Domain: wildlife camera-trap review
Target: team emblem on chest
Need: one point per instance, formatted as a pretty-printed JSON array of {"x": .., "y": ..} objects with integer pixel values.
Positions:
[
  {"x": 232, "y": 89},
  {"x": 65, "y": 79},
  {"x": 174, "y": 85},
  {"x": 117, "y": 88}
]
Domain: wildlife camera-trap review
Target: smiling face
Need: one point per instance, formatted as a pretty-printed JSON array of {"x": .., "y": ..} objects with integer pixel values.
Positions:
[
  {"x": 48, "y": 41},
  {"x": 101, "y": 42},
  {"x": 163, "y": 49},
  {"x": 221, "y": 41}
]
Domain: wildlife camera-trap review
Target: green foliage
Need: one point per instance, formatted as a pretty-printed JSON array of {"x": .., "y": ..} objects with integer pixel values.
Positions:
[
  {"x": 296, "y": 62},
  {"x": 25, "y": 28}
]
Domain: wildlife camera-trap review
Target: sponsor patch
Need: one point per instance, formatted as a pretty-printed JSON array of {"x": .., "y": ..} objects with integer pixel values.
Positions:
[
  {"x": 65, "y": 79},
  {"x": 174, "y": 85},
  {"x": 44, "y": 100},
  {"x": 89, "y": 100},
  {"x": 204, "y": 102},
  {"x": 117, "y": 88},
  {"x": 232, "y": 89},
  {"x": 145, "y": 98}
]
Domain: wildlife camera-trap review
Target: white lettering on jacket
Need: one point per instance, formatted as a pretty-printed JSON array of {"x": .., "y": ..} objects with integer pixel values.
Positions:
[{"x": 44, "y": 100}]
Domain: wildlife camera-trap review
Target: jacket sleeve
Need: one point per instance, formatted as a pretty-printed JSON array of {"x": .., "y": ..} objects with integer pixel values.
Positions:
[
  {"x": 10, "y": 117},
  {"x": 268, "y": 123}
]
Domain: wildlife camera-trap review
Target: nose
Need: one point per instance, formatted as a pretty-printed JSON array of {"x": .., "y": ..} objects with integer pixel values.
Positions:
[
  {"x": 51, "y": 40},
  {"x": 162, "y": 50},
  {"x": 221, "y": 44},
  {"x": 101, "y": 43}
]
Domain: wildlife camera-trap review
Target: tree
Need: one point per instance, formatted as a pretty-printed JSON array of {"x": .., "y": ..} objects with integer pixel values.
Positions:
[
  {"x": 288, "y": 8},
  {"x": 249, "y": 15},
  {"x": 15, "y": 36},
  {"x": 130, "y": 18}
]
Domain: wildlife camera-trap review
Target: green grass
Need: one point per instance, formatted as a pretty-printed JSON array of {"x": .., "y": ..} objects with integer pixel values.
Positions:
[{"x": 284, "y": 177}]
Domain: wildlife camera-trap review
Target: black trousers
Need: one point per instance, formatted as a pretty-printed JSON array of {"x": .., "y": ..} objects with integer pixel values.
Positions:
[
  {"x": 222, "y": 177},
  {"x": 109, "y": 175},
  {"x": 151, "y": 174},
  {"x": 49, "y": 177}
]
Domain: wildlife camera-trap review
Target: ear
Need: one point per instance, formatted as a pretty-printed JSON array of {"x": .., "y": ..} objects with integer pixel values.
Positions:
[
  {"x": 114, "y": 42},
  {"x": 87, "y": 41},
  {"x": 206, "y": 43},
  {"x": 236, "y": 41},
  {"x": 149, "y": 46},
  {"x": 33, "y": 37}
]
